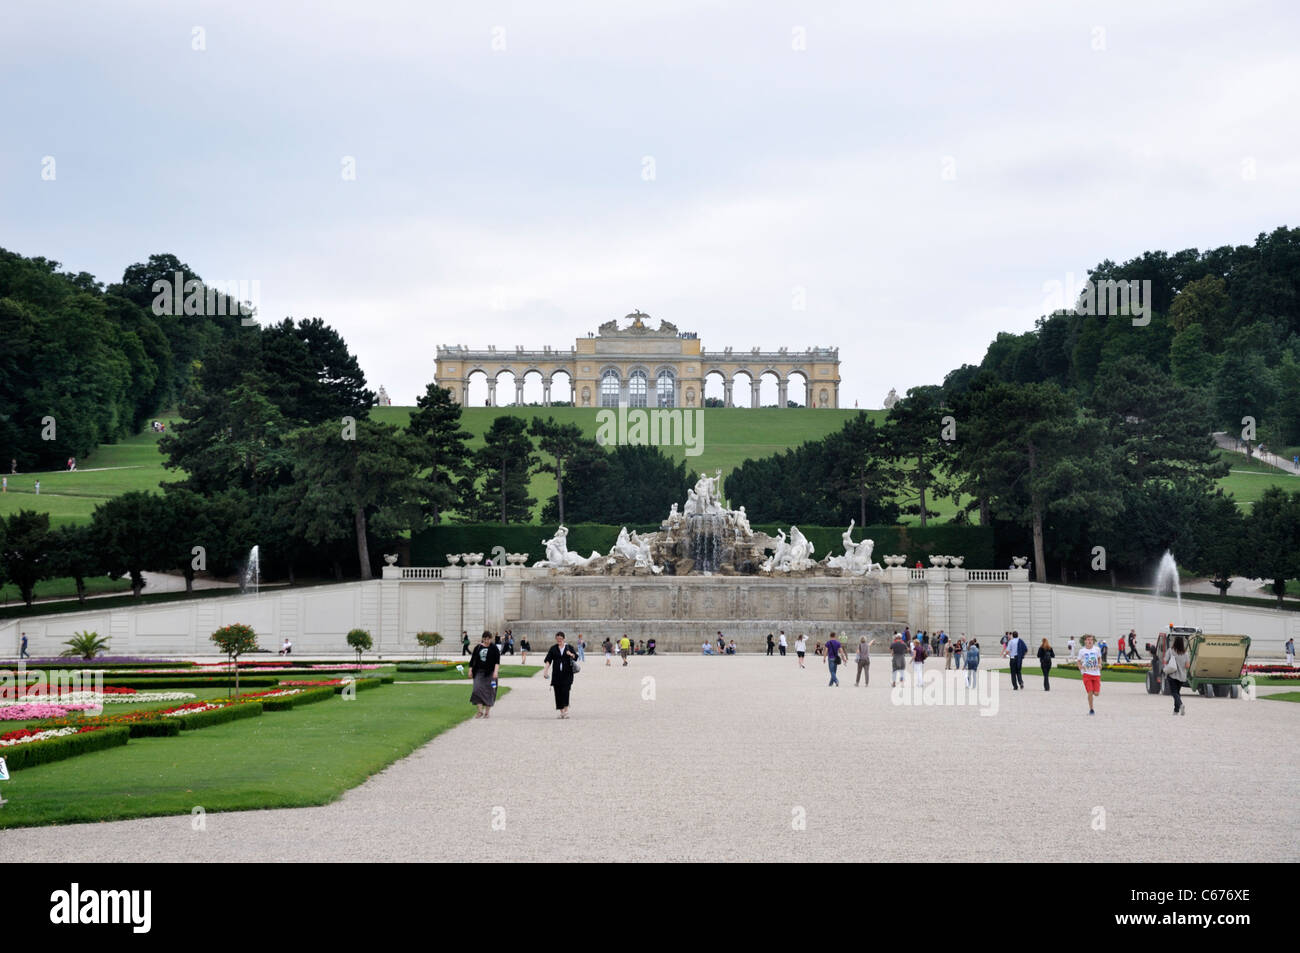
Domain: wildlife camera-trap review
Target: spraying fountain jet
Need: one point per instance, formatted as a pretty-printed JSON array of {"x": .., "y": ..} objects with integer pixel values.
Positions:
[{"x": 252, "y": 571}]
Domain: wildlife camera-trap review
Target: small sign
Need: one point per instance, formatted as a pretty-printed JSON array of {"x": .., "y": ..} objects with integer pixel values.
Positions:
[{"x": 4, "y": 770}]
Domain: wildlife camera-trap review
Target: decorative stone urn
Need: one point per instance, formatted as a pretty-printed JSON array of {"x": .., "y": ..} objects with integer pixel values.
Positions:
[
  {"x": 473, "y": 559},
  {"x": 516, "y": 559},
  {"x": 1020, "y": 561},
  {"x": 390, "y": 560},
  {"x": 938, "y": 562},
  {"x": 453, "y": 558},
  {"x": 956, "y": 561}
]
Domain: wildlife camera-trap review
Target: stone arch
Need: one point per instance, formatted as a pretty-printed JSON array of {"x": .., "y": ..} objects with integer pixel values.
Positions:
[
  {"x": 506, "y": 391},
  {"x": 742, "y": 388},
  {"x": 561, "y": 387},
  {"x": 610, "y": 387},
  {"x": 533, "y": 390},
  {"x": 798, "y": 387},
  {"x": 476, "y": 388},
  {"x": 638, "y": 386},
  {"x": 770, "y": 388},
  {"x": 716, "y": 386},
  {"x": 664, "y": 386}
]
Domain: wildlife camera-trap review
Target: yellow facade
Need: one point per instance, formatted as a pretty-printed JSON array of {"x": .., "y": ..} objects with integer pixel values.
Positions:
[{"x": 641, "y": 366}]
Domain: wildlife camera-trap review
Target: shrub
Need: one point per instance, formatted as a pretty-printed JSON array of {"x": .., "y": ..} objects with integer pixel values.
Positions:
[
  {"x": 85, "y": 645},
  {"x": 56, "y": 749},
  {"x": 428, "y": 640},
  {"x": 360, "y": 640},
  {"x": 234, "y": 640},
  {"x": 218, "y": 716},
  {"x": 306, "y": 696}
]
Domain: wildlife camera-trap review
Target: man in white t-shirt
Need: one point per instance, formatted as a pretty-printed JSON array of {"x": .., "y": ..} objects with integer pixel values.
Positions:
[
  {"x": 1090, "y": 669},
  {"x": 1069, "y": 648},
  {"x": 781, "y": 644}
]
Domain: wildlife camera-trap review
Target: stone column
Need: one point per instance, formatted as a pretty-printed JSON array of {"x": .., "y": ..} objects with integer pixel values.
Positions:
[
  {"x": 519, "y": 390},
  {"x": 463, "y": 397},
  {"x": 492, "y": 392},
  {"x": 546, "y": 392},
  {"x": 726, "y": 393},
  {"x": 781, "y": 391},
  {"x": 753, "y": 395}
]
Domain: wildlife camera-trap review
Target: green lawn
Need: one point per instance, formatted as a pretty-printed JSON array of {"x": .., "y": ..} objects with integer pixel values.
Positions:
[
  {"x": 113, "y": 469},
  {"x": 308, "y": 755},
  {"x": 1282, "y": 697},
  {"x": 507, "y": 671},
  {"x": 65, "y": 588},
  {"x": 728, "y": 436}
]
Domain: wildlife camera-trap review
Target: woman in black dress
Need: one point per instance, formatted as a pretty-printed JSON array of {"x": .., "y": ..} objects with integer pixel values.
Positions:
[
  {"x": 485, "y": 667},
  {"x": 563, "y": 658}
]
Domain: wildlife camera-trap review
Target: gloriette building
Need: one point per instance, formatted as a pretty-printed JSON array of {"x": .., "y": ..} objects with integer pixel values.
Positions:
[{"x": 642, "y": 366}]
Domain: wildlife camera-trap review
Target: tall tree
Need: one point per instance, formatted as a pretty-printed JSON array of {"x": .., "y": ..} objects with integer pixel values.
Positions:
[
  {"x": 130, "y": 530},
  {"x": 366, "y": 471},
  {"x": 1273, "y": 531},
  {"x": 27, "y": 543},
  {"x": 504, "y": 464},
  {"x": 435, "y": 423},
  {"x": 914, "y": 436},
  {"x": 560, "y": 442}
]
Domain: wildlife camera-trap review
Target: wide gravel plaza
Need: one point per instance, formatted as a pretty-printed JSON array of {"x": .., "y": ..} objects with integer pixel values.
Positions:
[{"x": 748, "y": 758}]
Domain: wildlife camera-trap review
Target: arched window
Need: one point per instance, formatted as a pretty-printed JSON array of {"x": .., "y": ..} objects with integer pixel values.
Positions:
[
  {"x": 609, "y": 388},
  {"x": 665, "y": 389},
  {"x": 637, "y": 389}
]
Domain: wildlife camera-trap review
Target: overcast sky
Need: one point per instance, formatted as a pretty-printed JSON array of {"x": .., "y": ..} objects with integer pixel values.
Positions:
[{"x": 525, "y": 172}]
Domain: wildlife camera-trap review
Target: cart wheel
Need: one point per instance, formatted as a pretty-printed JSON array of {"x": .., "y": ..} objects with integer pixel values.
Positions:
[
  {"x": 1222, "y": 691},
  {"x": 1153, "y": 687},
  {"x": 1234, "y": 691},
  {"x": 1206, "y": 691}
]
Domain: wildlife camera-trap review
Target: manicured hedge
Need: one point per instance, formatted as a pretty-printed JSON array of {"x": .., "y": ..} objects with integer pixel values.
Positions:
[
  {"x": 56, "y": 749},
  {"x": 155, "y": 728},
  {"x": 218, "y": 716},
  {"x": 429, "y": 547},
  {"x": 306, "y": 697},
  {"x": 194, "y": 681},
  {"x": 363, "y": 683}
]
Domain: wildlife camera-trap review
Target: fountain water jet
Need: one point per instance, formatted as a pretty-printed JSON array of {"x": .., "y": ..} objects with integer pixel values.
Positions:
[
  {"x": 1167, "y": 578},
  {"x": 252, "y": 571}
]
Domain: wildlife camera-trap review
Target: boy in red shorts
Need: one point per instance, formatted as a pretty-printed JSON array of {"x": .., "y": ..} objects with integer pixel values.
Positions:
[{"x": 1090, "y": 669}]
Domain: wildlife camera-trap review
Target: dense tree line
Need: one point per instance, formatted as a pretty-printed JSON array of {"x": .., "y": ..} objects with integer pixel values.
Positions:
[{"x": 1224, "y": 324}]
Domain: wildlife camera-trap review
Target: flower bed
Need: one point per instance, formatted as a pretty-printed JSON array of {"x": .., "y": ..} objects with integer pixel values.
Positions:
[
  {"x": 25, "y": 747},
  {"x": 171, "y": 721},
  {"x": 84, "y": 700},
  {"x": 286, "y": 699},
  {"x": 24, "y": 711},
  {"x": 318, "y": 683}
]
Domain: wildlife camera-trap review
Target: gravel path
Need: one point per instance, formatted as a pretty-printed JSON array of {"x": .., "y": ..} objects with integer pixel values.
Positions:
[{"x": 723, "y": 758}]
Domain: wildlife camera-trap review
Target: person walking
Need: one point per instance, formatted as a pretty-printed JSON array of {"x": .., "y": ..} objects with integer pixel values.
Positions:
[
  {"x": 609, "y": 651},
  {"x": 919, "y": 653},
  {"x": 771, "y": 644},
  {"x": 947, "y": 653},
  {"x": 864, "y": 662},
  {"x": 22, "y": 650},
  {"x": 1133, "y": 653},
  {"x": 1290, "y": 652},
  {"x": 1016, "y": 650},
  {"x": 781, "y": 644},
  {"x": 898, "y": 660},
  {"x": 1090, "y": 669},
  {"x": 524, "y": 649},
  {"x": 624, "y": 647},
  {"x": 464, "y": 643},
  {"x": 565, "y": 660},
  {"x": 38, "y": 487},
  {"x": 834, "y": 656},
  {"x": 1176, "y": 673},
  {"x": 1069, "y": 649},
  {"x": 1103, "y": 648},
  {"x": 4, "y": 484},
  {"x": 485, "y": 668},
  {"x": 972, "y": 662},
  {"x": 1045, "y": 656},
  {"x": 582, "y": 648},
  {"x": 800, "y": 648}
]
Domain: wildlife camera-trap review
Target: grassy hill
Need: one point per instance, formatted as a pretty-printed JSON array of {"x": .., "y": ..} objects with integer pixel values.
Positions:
[{"x": 728, "y": 436}]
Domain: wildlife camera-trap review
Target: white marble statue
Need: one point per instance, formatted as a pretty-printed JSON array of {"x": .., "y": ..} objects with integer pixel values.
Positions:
[
  {"x": 558, "y": 555},
  {"x": 623, "y": 547},
  {"x": 857, "y": 556},
  {"x": 643, "y": 558},
  {"x": 792, "y": 555},
  {"x": 742, "y": 522}
]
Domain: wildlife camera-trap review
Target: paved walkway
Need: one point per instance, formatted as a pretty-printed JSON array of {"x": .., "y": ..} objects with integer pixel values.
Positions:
[
  {"x": 1235, "y": 445},
  {"x": 749, "y": 758}
]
